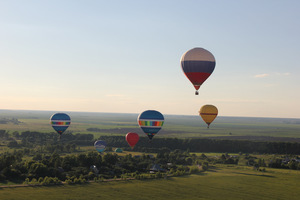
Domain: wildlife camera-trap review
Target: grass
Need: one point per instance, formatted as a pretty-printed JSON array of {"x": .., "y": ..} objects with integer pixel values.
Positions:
[{"x": 222, "y": 182}]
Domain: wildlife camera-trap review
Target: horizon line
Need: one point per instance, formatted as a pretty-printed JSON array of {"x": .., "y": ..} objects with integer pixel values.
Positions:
[{"x": 139, "y": 113}]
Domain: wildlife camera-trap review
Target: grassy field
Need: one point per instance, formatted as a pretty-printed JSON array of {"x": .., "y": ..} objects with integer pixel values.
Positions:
[
  {"x": 175, "y": 125},
  {"x": 223, "y": 182}
]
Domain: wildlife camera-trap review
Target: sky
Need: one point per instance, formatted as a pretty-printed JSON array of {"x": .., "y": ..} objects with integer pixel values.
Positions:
[{"x": 124, "y": 56}]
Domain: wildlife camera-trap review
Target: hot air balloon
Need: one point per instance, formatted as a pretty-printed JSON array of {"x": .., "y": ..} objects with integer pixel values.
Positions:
[
  {"x": 60, "y": 122},
  {"x": 132, "y": 139},
  {"x": 151, "y": 122},
  {"x": 208, "y": 113},
  {"x": 197, "y": 64},
  {"x": 118, "y": 150},
  {"x": 100, "y": 145}
]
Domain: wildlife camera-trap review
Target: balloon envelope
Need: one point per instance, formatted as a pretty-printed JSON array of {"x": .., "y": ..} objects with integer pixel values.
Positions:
[
  {"x": 197, "y": 64},
  {"x": 100, "y": 145},
  {"x": 208, "y": 113},
  {"x": 151, "y": 122},
  {"x": 132, "y": 139},
  {"x": 60, "y": 122},
  {"x": 118, "y": 150}
]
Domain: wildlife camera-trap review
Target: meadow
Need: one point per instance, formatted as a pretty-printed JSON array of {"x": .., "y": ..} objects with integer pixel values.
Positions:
[
  {"x": 180, "y": 126},
  {"x": 220, "y": 182}
]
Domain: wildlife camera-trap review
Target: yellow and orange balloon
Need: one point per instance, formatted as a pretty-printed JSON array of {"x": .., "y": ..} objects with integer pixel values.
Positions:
[{"x": 208, "y": 113}]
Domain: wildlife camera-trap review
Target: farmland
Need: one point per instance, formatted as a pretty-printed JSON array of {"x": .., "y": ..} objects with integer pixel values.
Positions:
[
  {"x": 175, "y": 125},
  {"x": 238, "y": 180},
  {"x": 221, "y": 182}
]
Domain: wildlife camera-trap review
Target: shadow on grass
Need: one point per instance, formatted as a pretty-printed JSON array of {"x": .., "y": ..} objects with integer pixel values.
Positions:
[
  {"x": 213, "y": 169},
  {"x": 248, "y": 174},
  {"x": 201, "y": 174}
]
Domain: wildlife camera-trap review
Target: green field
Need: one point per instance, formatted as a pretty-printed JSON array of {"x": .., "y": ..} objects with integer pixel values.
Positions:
[
  {"x": 222, "y": 182},
  {"x": 180, "y": 126}
]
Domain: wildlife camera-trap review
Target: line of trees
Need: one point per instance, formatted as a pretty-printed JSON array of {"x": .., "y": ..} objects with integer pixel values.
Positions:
[
  {"x": 78, "y": 168},
  {"x": 208, "y": 145},
  {"x": 86, "y": 165},
  {"x": 32, "y": 139}
]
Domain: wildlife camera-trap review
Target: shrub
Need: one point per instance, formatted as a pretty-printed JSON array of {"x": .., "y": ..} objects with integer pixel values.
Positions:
[
  {"x": 69, "y": 181},
  {"x": 194, "y": 169},
  {"x": 40, "y": 180},
  {"x": 26, "y": 182}
]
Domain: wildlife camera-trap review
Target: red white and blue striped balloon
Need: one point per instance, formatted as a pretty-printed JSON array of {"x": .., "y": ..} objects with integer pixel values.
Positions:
[{"x": 198, "y": 64}]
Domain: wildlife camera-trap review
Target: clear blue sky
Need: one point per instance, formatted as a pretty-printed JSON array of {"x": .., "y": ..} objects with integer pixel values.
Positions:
[{"x": 123, "y": 56}]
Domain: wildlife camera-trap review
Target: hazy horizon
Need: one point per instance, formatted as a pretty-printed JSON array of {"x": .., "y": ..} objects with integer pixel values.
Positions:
[{"x": 165, "y": 114}]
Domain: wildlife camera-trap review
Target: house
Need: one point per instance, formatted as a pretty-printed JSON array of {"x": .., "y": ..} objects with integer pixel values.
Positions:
[{"x": 156, "y": 168}]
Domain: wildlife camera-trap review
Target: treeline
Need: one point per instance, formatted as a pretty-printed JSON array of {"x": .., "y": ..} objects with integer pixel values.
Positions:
[
  {"x": 113, "y": 130},
  {"x": 45, "y": 138},
  {"x": 7, "y": 120},
  {"x": 78, "y": 168},
  {"x": 87, "y": 165},
  {"x": 207, "y": 145},
  {"x": 31, "y": 142},
  {"x": 31, "y": 139}
]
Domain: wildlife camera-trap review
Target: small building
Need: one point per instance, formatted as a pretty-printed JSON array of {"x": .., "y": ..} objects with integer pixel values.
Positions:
[{"x": 156, "y": 168}]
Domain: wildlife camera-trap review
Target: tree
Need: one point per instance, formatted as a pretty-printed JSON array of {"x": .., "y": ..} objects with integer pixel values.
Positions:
[
  {"x": 110, "y": 159},
  {"x": 69, "y": 162},
  {"x": 261, "y": 162},
  {"x": 16, "y": 134},
  {"x": 293, "y": 164},
  {"x": 38, "y": 169}
]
